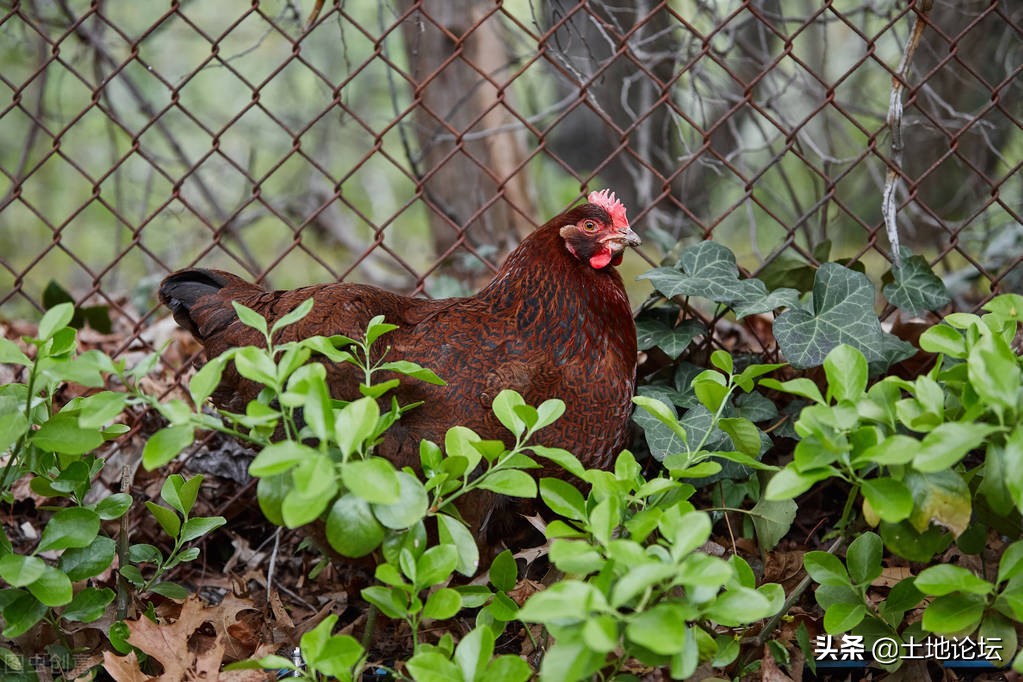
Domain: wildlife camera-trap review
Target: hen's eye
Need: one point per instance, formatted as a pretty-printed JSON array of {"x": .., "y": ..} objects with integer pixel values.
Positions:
[{"x": 590, "y": 225}]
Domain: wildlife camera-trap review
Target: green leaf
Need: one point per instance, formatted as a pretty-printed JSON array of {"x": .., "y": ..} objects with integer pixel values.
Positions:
[
  {"x": 504, "y": 572},
  {"x": 789, "y": 483},
  {"x": 294, "y": 315},
  {"x": 165, "y": 445},
  {"x": 256, "y": 364},
  {"x": 563, "y": 458},
  {"x": 661, "y": 629},
  {"x": 442, "y": 604},
  {"x": 1011, "y": 562},
  {"x": 842, "y": 312},
  {"x": 575, "y": 557},
  {"x": 88, "y": 605},
  {"x": 19, "y": 570},
  {"x": 62, "y": 433},
  {"x": 508, "y": 668},
  {"x": 169, "y": 590},
  {"x": 772, "y": 520},
  {"x": 414, "y": 371},
  {"x": 453, "y": 532},
  {"x": 21, "y": 614},
  {"x": 802, "y": 387},
  {"x": 511, "y": 482},
  {"x": 601, "y": 634},
  {"x": 914, "y": 287},
  {"x": 373, "y": 479},
  {"x": 249, "y": 317},
  {"x": 12, "y": 426},
  {"x": 435, "y": 565},
  {"x": 205, "y": 381},
  {"x": 942, "y": 338},
  {"x": 80, "y": 563},
  {"x": 569, "y": 659},
  {"x": 280, "y": 457},
  {"x": 692, "y": 531},
  {"x": 737, "y": 606},
  {"x": 846, "y": 370},
  {"x": 668, "y": 438},
  {"x": 890, "y": 499},
  {"x": 563, "y": 498},
  {"x": 652, "y": 332},
  {"x": 710, "y": 389},
  {"x": 168, "y": 520},
  {"x": 351, "y": 528},
  {"x": 55, "y": 319},
  {"x": 431, "y": 666},
  {"x": 566, "y": 601},
  {"x": 826, "y": 569},
  {"x": 113, "y": 506},
  {"x": 474, "y": 651},
  {"x": 410, "y": 507},
  {"x": 637, "y": 579},
  {"x": 994, "y": 372},
  {"x": 946, "y": 578},
  {"x": 745, "y": 436},
  {"x": 954, "y": 613},
  {"x": 71, "y": 527},
  {"x": 200, "y": 526},
  {"x": 783, "y": 297},
  {"x": 11, "y": 354},
  {"x": 706, "y": 269},
  {"x": 504, "y": 409},
  {"x": 842, "y": 617},
  {"x": 315, "y": 486},
  {"x": 52, "y": 588},
  {"x": 948, "y": 443},
  {"x": 100, "y": 408},
  {"x": 863, "y": 558},
  {"x": 355, "y": 424},
  {"x": 331, "y": 655}
]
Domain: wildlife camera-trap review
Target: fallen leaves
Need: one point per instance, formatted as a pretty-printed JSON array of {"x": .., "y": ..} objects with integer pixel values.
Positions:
[{"x": 194, "y": 644}]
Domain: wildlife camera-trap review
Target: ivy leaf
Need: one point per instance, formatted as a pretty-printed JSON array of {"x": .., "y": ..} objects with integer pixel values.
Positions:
[
  {"x": 842, "y": 312},
  {"x": 772, "y": 520},
  {"x": 914, "y": 288},
  {"x": 779, "y": 298},
  {"x": 706, "y": 269},
  {"x": 671, "y": 340}
]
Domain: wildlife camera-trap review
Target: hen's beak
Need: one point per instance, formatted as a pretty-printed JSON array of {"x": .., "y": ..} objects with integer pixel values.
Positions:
[{"x": 622, "y": 237}]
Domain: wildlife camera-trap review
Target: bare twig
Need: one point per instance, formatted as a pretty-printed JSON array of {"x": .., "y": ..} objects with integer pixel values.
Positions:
[{"x": 894, "y": 121}]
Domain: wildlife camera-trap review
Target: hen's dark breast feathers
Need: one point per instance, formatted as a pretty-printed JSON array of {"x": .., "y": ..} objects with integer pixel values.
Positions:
[{"x": 547, "y": 326}]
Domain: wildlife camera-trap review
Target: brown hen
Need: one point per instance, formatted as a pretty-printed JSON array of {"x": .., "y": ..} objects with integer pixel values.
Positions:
[{"x": 554, "y": 322}]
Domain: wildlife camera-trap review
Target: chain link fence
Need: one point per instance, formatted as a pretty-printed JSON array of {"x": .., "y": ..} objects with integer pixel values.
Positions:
[{"x": 411, "y": 144}]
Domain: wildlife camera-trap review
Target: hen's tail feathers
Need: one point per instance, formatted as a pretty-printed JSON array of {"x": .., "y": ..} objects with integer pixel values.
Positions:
[{"x": 183, "y": 289}]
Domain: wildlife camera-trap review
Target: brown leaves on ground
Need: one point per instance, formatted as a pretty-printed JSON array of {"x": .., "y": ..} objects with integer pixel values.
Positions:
[{"x": 194, "y": 643}]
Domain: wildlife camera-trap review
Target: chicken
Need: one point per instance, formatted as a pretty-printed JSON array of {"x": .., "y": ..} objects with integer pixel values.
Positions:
[{"x": 554, "y": 322}]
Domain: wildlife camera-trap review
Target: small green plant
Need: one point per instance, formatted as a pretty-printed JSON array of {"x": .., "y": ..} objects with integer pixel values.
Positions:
[
  {"x": 636, "y": 583},
  {"x": 54, "y": 449},
  {"x": 181, "y": 527},
  {"x": 917, "y": 450}
]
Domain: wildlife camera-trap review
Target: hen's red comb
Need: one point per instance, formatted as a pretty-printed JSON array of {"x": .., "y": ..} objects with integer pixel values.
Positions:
[{"x": 607, "y": 200}]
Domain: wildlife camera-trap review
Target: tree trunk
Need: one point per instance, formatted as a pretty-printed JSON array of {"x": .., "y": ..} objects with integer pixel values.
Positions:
[{"x": 471, "y": 155}]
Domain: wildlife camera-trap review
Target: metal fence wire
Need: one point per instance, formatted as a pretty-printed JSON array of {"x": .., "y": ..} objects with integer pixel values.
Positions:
[{"x": 411, "y": 144}]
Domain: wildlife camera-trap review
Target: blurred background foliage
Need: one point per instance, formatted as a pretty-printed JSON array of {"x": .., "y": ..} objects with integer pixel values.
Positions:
[{"x": 412, "y": 144}]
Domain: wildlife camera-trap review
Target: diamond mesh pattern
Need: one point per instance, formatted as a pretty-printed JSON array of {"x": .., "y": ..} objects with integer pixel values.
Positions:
[{"x": 411, "y": 144}]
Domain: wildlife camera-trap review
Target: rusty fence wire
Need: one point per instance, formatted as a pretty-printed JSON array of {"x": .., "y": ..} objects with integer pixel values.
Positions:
[{"x": 411, "y": 144}]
